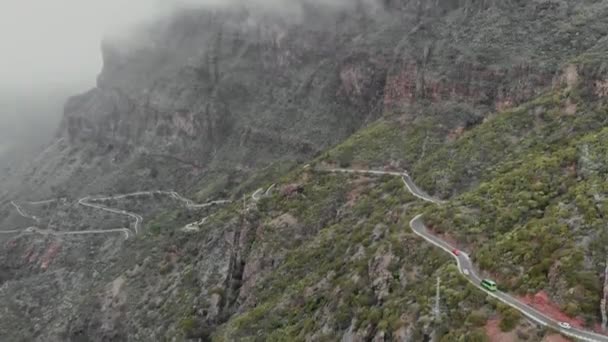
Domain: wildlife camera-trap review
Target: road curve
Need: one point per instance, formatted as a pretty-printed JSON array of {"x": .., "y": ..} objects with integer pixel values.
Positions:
[
  {"x": 259, "y": 193},
  {"x": 87, "y": 202},
  {"x": 466, "y": 267},
  {"x": 417, "y": 192},
  {"x": 138, "y": 218},
  {"x": 407, "y": 181},
  {"x": 23, "y": 213},
  {"x": 267, "y": 193},
  {"x": 36, "y": 230},
  {"x": 256, "y": 195}
]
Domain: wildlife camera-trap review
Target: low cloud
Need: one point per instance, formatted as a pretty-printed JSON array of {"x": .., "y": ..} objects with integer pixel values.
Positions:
[
  {"x": 50, "y": 43},
  {"x": 57, "y": 42}
]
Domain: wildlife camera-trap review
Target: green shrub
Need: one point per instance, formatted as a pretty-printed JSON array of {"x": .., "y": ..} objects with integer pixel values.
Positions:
[
  {"x": 477, "y": 318},
  {"x": 343, "y": 317},
  {"x": 346, "y": 157},
  {"x": 510, "y": 318},
  {"x": 477, "y": 335},
  {"x": 165, "y": 268},
  {"x": 187, "y": 325}
]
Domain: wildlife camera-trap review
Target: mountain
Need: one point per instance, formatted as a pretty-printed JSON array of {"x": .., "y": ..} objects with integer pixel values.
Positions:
[
  {"x": 498, "y": 108},
  {"x": 204, "y": 92}
]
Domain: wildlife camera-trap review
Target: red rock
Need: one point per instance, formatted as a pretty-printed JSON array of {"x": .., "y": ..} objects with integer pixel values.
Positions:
[
  {"x": 542, "y": 303},
  {"x": 291, "y": 189},
  {"x": 50, "y": 255}
]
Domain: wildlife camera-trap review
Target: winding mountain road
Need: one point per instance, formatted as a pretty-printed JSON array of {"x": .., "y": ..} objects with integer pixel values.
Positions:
[
  {"x": 407, "y": 181},
  {"x": 467, "y": 268},
  {"x": 88, "y": 202},
  {"x": 465, "y": 265},
  {"x": 36, "y": 230}
]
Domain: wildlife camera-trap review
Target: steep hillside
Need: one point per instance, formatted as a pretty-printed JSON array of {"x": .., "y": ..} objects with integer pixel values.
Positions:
[
  {"x": 496, "y": 107},
  {"x": 528, "y": 188}
]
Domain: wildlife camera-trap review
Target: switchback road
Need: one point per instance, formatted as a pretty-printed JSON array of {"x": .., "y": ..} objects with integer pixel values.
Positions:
[
  {"x": 36, "y": 230},
  {"x": 88, "y": 202}
]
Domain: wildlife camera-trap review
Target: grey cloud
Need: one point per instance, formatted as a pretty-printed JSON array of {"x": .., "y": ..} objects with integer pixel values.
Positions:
[{"x": 58, "y": 42}]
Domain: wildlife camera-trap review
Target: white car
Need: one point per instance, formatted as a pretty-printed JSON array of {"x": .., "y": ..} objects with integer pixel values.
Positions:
[{"x": 564, "y": 325}]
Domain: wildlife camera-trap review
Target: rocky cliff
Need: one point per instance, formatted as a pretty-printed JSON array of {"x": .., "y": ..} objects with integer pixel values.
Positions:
[
  {"x": 239, "y": 89},
  {"x": 216, "y": 103},
  {"x": 206, "y": 90}
]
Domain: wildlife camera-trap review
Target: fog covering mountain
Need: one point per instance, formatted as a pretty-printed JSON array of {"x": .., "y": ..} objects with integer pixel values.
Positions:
[
  {"x": 48, "y": 60},
  {"x": 28, "y": 120},
  {"x": 497, "y": 107}
]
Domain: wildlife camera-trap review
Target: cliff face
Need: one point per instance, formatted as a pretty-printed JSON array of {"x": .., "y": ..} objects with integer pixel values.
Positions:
[
  {"x": 241, "y": 88},
  {"x": 203, "y": 101},
  {"x": 228, "y": 88}
]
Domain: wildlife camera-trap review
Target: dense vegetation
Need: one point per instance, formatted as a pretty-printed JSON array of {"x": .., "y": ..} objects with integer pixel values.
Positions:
[
  {"x": 528, "y": 188},
  {"x": 333, "y": 255},
  {"x": 352, "y": 265}
]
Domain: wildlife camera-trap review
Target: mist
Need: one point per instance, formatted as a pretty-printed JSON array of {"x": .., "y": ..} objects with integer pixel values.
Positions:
[
  {"x": 50, "y": 51},
  {"x": 57, "y": 43}
]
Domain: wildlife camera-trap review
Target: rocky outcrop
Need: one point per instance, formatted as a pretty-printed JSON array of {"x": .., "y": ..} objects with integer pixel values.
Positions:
[
  {"x": 380, "y": 275},
  {"x": 497, "y": 88}
]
